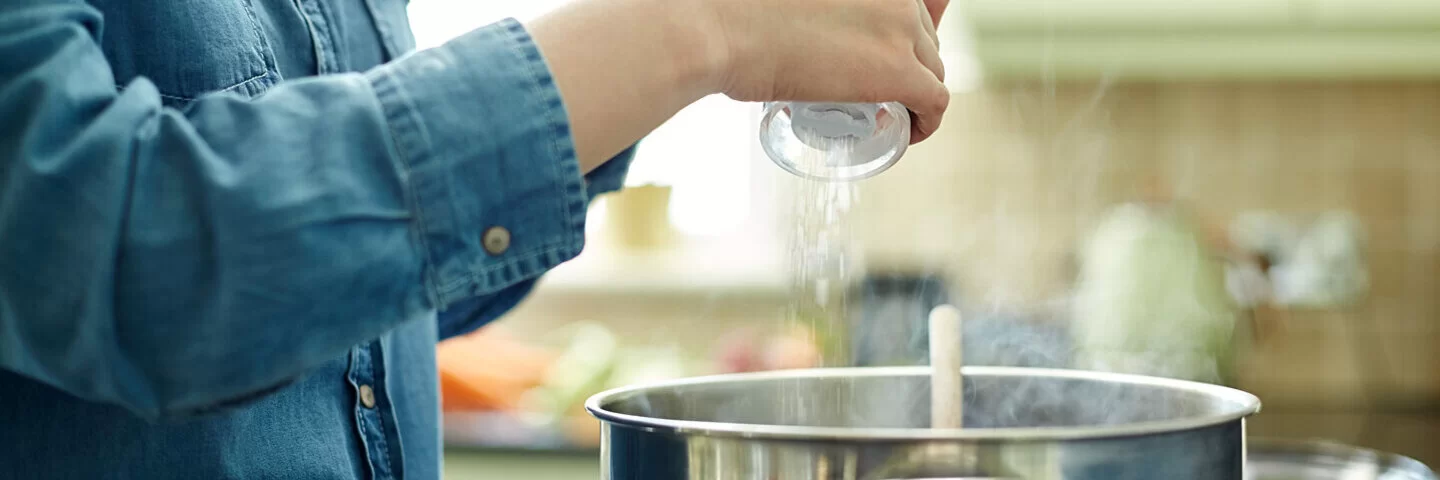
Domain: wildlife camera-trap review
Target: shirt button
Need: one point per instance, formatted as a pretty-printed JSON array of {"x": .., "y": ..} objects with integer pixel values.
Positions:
[
  {"x": 367, "y": 396},
  {"x": 496, "y": 240}
]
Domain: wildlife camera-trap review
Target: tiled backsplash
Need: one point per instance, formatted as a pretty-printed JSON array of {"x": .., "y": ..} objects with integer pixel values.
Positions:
[{"x": 1002, "y": 196}]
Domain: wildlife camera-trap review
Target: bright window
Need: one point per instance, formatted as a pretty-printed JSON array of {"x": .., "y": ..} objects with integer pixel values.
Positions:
[{"x": 707, "y": 153}]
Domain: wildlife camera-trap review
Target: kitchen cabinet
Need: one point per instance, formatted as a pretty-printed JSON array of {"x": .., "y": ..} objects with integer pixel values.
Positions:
[{"x": 1218, "y": 40}]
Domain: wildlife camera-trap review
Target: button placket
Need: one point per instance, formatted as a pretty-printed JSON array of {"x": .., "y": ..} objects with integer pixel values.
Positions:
[
  {"x": 319, "y": 22},
  {"x": 364, "y": 376}
]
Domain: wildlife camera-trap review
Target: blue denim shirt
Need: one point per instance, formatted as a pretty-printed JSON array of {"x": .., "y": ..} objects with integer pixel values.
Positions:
[{"x": 226, "y": 254}]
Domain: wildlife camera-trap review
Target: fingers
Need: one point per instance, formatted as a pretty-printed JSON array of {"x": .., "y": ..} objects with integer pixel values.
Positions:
[
  {"x": 928, "y": 99},
  {"x": 929, "y": 56},
  {"x": 936, "y": 8},
  {"x": 928, "y": 24},
  {"x": 933, "y": 98},
  {"x": 923, "y": 125}
]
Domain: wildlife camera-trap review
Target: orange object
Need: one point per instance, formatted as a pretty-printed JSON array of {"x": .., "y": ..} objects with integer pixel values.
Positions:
[{"x": 488, "y": 370}]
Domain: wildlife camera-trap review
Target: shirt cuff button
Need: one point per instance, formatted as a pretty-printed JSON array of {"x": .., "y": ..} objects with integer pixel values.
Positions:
[{"x": 496, "y": 240}]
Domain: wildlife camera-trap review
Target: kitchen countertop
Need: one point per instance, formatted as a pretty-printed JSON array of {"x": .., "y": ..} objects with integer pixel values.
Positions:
[{"x": 504, "y": 464}]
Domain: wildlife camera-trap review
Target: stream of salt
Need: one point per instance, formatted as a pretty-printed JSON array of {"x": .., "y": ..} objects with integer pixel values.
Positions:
[{"x": 825, "y": 257}]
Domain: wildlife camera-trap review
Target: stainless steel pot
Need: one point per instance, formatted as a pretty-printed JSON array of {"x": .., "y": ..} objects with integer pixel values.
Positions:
[
  {"x": 1275, "y": 459},
  {"x": 871, "y": 423}
]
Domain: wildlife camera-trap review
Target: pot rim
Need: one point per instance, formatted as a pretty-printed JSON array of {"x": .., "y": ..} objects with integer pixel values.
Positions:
[{"x": 1245, "y": 403}]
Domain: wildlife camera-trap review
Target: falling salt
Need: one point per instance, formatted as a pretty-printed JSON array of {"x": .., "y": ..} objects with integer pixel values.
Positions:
[{"x": 821, "y": 249}]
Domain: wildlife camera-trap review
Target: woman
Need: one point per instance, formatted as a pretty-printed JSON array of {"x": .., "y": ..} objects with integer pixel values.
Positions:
[{"x": 231, "y": 231}]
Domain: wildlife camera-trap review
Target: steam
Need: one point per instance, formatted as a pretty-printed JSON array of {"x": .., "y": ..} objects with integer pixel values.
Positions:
[{"x": 1164, "y": 321}]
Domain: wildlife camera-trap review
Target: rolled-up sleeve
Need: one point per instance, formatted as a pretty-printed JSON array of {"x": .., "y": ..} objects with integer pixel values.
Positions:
[
  {"x": 529, "y": 183},
  {"x": 169, "y": 261}
]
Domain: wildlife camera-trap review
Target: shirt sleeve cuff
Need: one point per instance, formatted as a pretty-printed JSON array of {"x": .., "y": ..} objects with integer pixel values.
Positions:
[{"x": 484, "y": 142}]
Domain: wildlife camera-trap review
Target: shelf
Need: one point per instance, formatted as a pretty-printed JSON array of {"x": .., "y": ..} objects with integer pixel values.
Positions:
[
  {"x": 513, "y": 432},
  {"x": 1050, "y": 17},
  {"x": 683, "y": 271},
  {"x": 1214, "y": 57}
]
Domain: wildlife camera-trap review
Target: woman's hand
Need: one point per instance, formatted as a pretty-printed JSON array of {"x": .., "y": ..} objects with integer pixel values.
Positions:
[
  {"x": 834, "y": 50},
  {"x": 624, "y": 66}
]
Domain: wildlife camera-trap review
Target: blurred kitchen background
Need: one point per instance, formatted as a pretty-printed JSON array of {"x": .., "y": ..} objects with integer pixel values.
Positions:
[{"x": 1292, "y": 146}]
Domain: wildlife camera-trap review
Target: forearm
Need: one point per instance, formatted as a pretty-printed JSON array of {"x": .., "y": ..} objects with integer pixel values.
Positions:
[{"x": 623, "y": 67}]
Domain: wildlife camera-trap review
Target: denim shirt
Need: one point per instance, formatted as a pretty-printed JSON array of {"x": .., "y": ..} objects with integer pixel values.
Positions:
[{"x": 231, "y": 231}]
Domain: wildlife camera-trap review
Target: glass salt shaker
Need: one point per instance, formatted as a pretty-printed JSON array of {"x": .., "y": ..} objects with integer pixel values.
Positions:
[{"x": 835, "y": 141}]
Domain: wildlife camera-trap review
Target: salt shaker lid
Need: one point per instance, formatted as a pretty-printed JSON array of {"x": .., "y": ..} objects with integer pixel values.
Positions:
[{"x": 835, "y": 141}]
